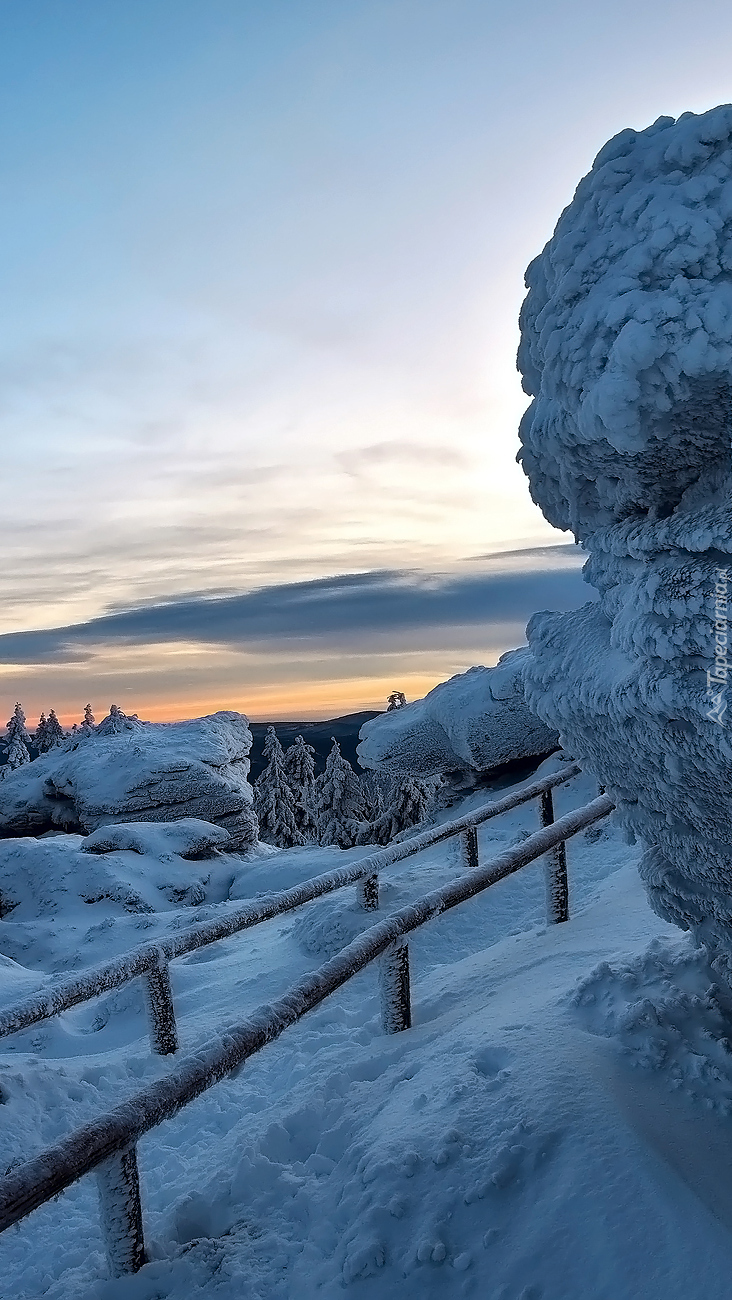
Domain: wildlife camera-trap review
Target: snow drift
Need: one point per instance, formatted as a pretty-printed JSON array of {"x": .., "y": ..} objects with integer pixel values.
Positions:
[
  {"x": 151, "y": 772},
  {"x": 627, "y": 349},
  {"x": 475, "y": 722}
]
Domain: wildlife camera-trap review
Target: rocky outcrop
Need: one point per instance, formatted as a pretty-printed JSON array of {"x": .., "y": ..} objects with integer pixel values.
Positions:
[
  {"x": 475, "y": 722},
  {"x": 627, "y": 352},
  {"x": 148, "y": 772}
]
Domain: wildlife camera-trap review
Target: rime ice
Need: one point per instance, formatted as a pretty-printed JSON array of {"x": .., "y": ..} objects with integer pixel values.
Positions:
[{"x": 627, "y": 350}]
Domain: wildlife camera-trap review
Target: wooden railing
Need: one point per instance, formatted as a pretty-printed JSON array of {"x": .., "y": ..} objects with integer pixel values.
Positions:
[
  {"x": 151, "y": 960},
  {"x": 107, "y": 1145}
]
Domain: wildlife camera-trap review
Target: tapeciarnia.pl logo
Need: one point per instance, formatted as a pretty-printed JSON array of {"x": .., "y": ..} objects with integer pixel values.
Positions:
[{"x": 717, "y": 678}]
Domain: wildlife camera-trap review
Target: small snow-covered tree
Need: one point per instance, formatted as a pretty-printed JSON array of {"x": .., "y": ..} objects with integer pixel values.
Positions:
[
  {"x": 116, "y": 722},
  {"x": 39, "y": 739},
  {"x": 17, "y": 739},
  {"x": 377, "y": 792},
  {"x": 410, "y": 800},
  {"x": 87, "y": 723},
  {"x": 49, "y": 732},
  {"x": 300, "y": 772},
  {"x": 17, "y": 754},
  {"x": 274, "y": 801},
  {"x": 340, "y": 801},
  {"x": 396, "y": 700}
]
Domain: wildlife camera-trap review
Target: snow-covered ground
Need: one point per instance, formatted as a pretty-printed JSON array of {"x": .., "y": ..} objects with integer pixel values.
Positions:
[{"x": 554, "y": 1125}]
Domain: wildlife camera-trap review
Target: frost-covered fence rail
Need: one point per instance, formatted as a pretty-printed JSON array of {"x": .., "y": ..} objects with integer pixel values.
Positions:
[
  {"x": 150, "y": 961},
  {"x": 108, "y": 1143}
]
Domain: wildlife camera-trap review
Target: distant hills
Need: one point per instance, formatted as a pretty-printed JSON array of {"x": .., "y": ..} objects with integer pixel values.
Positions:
[{"x": 317, "y": 734}]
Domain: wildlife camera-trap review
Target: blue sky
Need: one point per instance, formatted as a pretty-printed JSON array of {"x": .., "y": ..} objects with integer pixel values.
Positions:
[{"x": 261, "y": 271}]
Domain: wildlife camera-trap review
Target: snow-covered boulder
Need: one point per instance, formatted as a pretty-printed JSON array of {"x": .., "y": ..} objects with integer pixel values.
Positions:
[
  {"x": 53, "y": 878},
  {"x": 476, "y": 722},
  {"x": 188, "y": 838},
  {"x": 151, "y": 772},
  {"x": 626, "y": 342},
  {"x": 627, "y": 347}
]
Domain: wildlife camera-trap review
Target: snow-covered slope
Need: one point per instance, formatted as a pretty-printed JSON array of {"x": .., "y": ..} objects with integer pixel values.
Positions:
[
  {"x": 474, "y": 722},
  {"x": 152, "y": 772},
  {"x": 505, "y": 1147}
]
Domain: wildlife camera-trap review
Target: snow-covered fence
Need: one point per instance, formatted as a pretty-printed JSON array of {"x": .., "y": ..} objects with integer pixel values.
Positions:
[
  {"x": 150, "y": 961},
  {"x": 108, "y": 1144}
]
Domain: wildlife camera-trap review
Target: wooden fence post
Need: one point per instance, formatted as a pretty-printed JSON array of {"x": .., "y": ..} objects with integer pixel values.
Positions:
[
  {"x": 396, "y": 1003},
  {"x": 367, "y": 892},
  {"x": 470, "y": 848},
  {"x": 555, "y": 868},
  {"x": 160, "y": 1010},
  {"x": 118, "y": 1183}
]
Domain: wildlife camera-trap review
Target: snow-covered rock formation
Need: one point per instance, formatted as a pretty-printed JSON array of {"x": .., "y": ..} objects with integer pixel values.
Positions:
[
  {"x": 627, "y": 351},
  {"x": 474, "y": 722},
  {"x": 146, "y": 772}
]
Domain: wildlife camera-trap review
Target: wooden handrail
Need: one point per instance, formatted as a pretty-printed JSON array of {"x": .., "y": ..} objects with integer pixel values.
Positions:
[
  {"x": 150, "y": 960},
  {"x": 107, "y": 1144}
]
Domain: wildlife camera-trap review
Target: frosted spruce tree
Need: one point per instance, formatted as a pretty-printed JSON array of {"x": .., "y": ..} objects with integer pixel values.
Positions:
[
  {"x": 397, "y": 700},
  {"x": 300, "y": 773},
  {"x": 410, "y": 801},
  {"x": 39, "y": 738},
  {"x": 274, "y": 801},
  {"x": 116, "y": 722},
  {"x": 17, "y": 740},
  {"x": 340, "y": 801},
  {"x": 53, "y": 733},
  {"x": 88, "y": 721}
]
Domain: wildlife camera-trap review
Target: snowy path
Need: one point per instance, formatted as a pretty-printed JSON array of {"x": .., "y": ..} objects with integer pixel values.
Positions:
[{"x": 498, "y": 1148}]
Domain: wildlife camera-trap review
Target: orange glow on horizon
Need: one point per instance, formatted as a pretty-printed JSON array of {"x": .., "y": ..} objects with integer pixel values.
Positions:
[{"x": 297, "y": 702}]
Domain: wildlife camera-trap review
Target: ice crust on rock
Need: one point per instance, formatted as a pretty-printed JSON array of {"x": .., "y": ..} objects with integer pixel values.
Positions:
[
  {"x": 627, "y": 346},
  {"x": 626, "y": 341},
  {"x": 475, "y": 722},
  {"x": 153, "y": 772}
]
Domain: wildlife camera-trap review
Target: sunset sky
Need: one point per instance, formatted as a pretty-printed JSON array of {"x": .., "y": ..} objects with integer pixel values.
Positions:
[{"x": 261, "y": 269}]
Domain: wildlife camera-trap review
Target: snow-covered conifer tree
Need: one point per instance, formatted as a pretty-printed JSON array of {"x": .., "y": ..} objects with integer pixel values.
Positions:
[
  {"x": 54, "y": 731},
  {"x": 274, "y": 801},
  {"x": 39, "y": 739},
  {"x": 87, "y": 724},
  {"x": 396, "y": 700},
  {"x": 300, "y": 772},
  {"x": 49, "y": 732},
  {"x": 17, "y": 739},
  {"x": 340, "y": 802},
  {"x": 408, "y": 807},
  {"x": 116, "y": 722}
]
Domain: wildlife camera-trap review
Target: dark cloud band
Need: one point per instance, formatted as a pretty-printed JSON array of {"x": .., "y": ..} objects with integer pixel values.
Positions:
[{"x": 338, "y": 611}]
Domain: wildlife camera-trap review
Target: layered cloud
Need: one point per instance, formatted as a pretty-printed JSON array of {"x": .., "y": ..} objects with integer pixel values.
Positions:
[{"x": 349, "y": 612}]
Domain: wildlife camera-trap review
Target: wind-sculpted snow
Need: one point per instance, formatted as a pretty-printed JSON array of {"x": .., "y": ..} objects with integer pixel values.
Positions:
[
  {"x": 476, "y": 721},
  {"x": 627, "y": 329},
  {"x": 187, "y": 838},
  {"x": 152, "y": 772},
  {"x": 50, "y": 879},
  {"x": 627, "y": 343}
]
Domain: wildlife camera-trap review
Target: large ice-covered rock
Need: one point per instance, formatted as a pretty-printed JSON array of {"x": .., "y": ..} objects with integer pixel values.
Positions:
[
  {"x": 627, "y": 347},
  {"x": 147, "y": 772},
  {"x": 476, "y": 722},
  {"x": 626, "y": 341}
]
